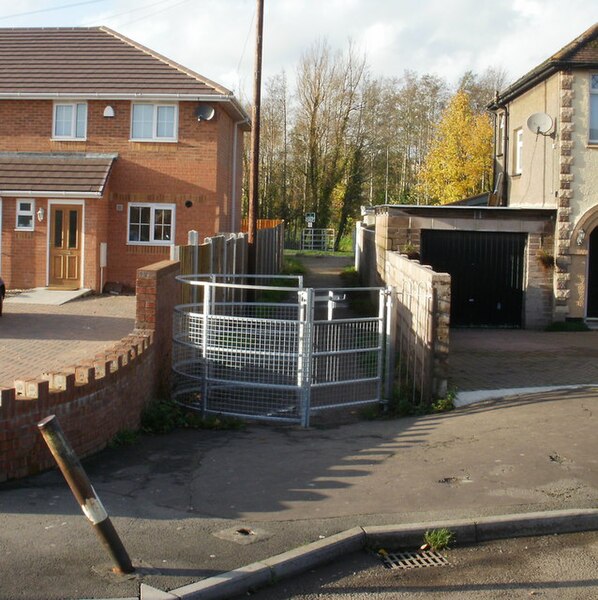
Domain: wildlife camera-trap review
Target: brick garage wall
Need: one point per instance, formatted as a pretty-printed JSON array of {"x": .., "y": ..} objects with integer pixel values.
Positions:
[
  {"x": 99, "y": 397},
  {"x": 539, "y": 299}
]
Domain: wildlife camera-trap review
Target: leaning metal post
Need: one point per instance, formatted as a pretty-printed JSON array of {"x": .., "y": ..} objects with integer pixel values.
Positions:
[{"x": 84, "y": 493}]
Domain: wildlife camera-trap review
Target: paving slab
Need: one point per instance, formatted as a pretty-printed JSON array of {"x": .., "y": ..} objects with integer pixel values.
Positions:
[{"x": 46, "y": 296}]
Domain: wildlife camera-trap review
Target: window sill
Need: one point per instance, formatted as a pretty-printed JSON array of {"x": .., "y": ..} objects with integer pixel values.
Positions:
[
  {"x": 153, "y": 244},
  {"x": 69, "y": 139},
  {"x": 24, "y": 228},
  {"x": 156, "y": 141}
]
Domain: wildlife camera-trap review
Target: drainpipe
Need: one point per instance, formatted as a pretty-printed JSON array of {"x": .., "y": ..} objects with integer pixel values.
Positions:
[
  {"x": 233, "y": 212},
  {"x": 505, "y": 177}
]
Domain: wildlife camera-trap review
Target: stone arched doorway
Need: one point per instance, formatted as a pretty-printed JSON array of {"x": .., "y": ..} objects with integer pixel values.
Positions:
[{"x": 592, "y": 293}]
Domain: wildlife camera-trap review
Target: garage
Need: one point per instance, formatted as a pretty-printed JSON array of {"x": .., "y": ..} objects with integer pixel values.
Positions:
[{"x": 487, "y": 274}]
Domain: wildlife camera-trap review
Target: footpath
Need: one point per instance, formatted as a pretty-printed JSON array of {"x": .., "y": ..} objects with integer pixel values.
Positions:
[{"x": 194, "y": 505}]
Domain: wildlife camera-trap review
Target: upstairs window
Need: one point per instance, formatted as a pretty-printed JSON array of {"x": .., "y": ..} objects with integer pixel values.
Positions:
[
  {"x": 151, "y": 224},
  {"x": 154, "y": 122},
  {"x": 70, "y": 121},
  {"x": 593, "y": 138},
  {"x": 517, "y": 158},
  {"x": 25, "y": 214}
]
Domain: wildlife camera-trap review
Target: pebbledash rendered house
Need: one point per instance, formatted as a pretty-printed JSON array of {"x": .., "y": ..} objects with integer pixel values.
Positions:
[
  {"x": 546, "y": 156},
  {"x": 109, "y": 154},
  {"x": 526, "y": 254}
]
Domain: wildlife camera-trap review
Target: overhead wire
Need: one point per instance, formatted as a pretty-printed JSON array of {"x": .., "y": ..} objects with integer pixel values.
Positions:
[
  {"x": 249, "y": 30},
  {"x": 127, "y": 12},
  {"x": 155, "y": 12},
  {"x": 49, "y": 9}
]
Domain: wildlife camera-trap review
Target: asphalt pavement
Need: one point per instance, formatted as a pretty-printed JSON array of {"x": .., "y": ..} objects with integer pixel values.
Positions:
[{"x": 181, "y": 501}]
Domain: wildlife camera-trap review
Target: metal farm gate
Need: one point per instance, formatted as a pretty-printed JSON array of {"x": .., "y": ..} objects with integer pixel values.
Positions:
[{"x": 277, "y": 353}]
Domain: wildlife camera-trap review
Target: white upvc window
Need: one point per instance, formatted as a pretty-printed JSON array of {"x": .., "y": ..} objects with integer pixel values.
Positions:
[
  {"x": 151, "y": 224},
  {"x": 593, "y": 133},
  {"x": 154, "y": 122},
  {"x": 25, "y": 215},
  {"x": 518, "y": 147},
  {"x": 69, "y": 121}
]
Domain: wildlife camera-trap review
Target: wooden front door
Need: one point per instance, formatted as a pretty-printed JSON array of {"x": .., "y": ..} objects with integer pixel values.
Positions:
[{"x": 65, "y": 246}]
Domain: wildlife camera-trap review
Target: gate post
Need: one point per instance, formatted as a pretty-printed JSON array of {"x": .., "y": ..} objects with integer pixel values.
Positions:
[
  {"x": 304, "y": 352},
  {"x": 207, "y": 297},
  {"x": 390, "y": 351}
]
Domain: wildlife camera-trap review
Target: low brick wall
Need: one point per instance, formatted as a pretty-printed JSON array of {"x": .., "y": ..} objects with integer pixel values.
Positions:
[
  {"x": 98, "y": 398},
  {"x": 422, "y": 310}
]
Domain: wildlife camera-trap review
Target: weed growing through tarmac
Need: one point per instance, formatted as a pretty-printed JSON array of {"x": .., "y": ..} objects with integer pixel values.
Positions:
[
  {"x": 164, "y": 416},
  {"x": 125, "y": 437},
  {"x": 399, "y": 406},
  {"x": 439, "y": 539}
]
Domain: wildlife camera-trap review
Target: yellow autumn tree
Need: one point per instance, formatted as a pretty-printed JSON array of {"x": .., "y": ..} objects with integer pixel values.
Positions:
[{"x": 459, "y": 163}]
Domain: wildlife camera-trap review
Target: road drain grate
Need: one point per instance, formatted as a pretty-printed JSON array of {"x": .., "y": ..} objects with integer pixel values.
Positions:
[{"x": 412, "y": 560}]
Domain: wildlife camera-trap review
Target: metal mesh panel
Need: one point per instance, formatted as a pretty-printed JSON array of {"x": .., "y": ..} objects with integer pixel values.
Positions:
[
  {"x": 337, "y": 395},
  {"x": 254, "y": 401},
  {"x": 271, "y": 360},
  {"x": 346, "y": 363},
  {"x": 252, "y": 350}
]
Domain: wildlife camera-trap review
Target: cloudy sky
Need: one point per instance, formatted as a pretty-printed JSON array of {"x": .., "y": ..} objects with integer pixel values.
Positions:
[{"x": 216, "y": 37}]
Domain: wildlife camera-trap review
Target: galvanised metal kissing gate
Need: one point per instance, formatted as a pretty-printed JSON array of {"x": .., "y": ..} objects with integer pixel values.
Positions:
[{"x": 278, "y": 353}]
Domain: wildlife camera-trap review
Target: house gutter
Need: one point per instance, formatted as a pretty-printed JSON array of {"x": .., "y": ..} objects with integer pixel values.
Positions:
[
  {"x": 225, "y": 98},
  {"x": 43, "y": 194},
  {"x": 233, "y": 212},
  {"x": 534, "y": 77}
]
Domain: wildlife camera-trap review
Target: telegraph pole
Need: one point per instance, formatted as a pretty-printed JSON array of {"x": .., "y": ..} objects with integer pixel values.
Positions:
[{"x": 255, "y": 138}]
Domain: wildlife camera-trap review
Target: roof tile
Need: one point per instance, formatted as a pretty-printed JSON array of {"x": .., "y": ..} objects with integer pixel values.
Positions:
[
  {"x": 33, "y": 172},
  {"x": 90, "y": 60}
]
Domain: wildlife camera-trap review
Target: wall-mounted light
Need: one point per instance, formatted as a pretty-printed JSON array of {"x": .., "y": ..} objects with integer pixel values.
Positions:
[
  {"x": 581, "y": 236},
  {"x": 109, "y": 111},
  {"x": 40, "y": 213}
]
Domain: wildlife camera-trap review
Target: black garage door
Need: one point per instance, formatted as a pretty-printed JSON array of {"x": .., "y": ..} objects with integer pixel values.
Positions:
[{"x": 486, "y": 275}]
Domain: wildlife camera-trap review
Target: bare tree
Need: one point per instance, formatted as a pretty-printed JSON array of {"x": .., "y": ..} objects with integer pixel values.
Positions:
[{"x": 328, "y": 95}]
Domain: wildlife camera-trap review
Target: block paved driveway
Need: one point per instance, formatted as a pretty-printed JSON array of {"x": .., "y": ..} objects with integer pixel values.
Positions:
[
  {"x": 487, "y": 359},
  {"x": 36, "y": 338}
]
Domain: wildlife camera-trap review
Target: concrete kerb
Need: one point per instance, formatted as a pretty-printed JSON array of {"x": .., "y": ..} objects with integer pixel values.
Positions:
[
  {"x": 299, "y": 560},
  {"x": 472, "y": 397}
]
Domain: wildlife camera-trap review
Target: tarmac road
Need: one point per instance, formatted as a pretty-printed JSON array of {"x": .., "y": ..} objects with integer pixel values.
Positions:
[
  {"x": 178, "y": 500},
  {"x": 560, "y": 567}
]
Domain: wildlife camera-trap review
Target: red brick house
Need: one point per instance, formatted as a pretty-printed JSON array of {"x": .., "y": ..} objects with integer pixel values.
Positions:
[{"x": 109, "y": 155}]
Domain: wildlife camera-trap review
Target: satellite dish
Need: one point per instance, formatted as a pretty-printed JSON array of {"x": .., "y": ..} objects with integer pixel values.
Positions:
[
  {"x": 539, "y": 123},
  {"x": 205, "y": 112}
]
